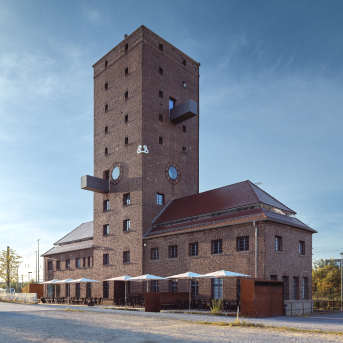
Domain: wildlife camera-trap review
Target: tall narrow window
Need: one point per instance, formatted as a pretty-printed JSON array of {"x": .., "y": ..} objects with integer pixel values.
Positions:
[
  {"x": 184, "y": 129},
  {"x": 49, "y": 265},
  {"x": 67, "y": 288},
  {"x": 171, "y": 103},
  {"x": 84, "y": 262},
  {"x": 217, "y": 246},
  {"x": 106, "y": 64},
  {"x": 154, "y": 286},
  {"x": 160, "y": 94},
  {"x": 126, "y": 140},
  {"x": 68, "y": 264},
  {"x": 305, "y": 288},
  {"x": 106, "y": 86},
  {"x": 285, "y": 280},
  {"x": 173, "y": 286},
  {"x": 126, "y": 46},
  {"x": 126, "y": 199},
  {"x": 106, "y": 175},
  {"x": 238, "y": 289},
  {"x": 78, "y": 263},
  {"x": 105, "y": 259},
  {"x": 301, "y": 248},
  {"x": 160, "y": 140},
  {"x": 183, "y": 62},
  {"x": 126, "y": 119},
  {"x": 160, "y": 46},
  {"x": 154, "y": 253},
  {"x": 195, "y": 289},
  {"x": 88, "y": 289},
  {"x": 160, "y": 70},
  {"x": 106, "y": 107},
  {"x": 105, "y": 289},
  {"x": 295, "y": 288},
  {"x": 126, "y": 71},
  {"x": 106, "y": 205},
  {"x": 217, "y": 288},
  {"x": 106, "y": 129},
  {"x": 194, "y": 249},
  {"x": 58, "y": 265},
  {"x": 126, "y": 256},
  {"x": 106, "y": 229},
  {"x": 89, "y": 261},
  {"x": 126, "y": 94},
  {"x": 278, "y": 243},
  {"x": 173, "y": 251},
  {"x": 77, "y": 290},
  {"x": 126, "y": 225},
  {"x": 160, "y": 199},
  {"x": 160, "y": 118},
  {"x": 242, "y": 243},
  {"x": 106, "y": 151}
]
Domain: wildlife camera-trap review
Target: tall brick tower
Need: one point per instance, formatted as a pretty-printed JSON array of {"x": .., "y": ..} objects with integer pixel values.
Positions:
[{"x": 146, "y": 144}]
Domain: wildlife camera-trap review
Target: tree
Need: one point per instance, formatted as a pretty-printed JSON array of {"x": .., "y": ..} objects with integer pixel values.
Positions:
[
  {"x": 326, "y": 277},
  {"x": 9, "y": 264}
]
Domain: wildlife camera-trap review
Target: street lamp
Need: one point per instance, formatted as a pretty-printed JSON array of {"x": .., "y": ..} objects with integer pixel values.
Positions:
[
  {"x": 36, "y": 266},
  {"x": 38, "y": 259}
]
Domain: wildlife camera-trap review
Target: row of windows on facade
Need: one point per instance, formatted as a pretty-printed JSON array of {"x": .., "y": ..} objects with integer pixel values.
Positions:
[
  {"x": 78, "y": 290},
  {"x": 79, "y": 263},
  {"x": 106, "y": 258},
  {"x": 126, "y": 227},
  {"x": 127, "y": 200},
  {"x": 278, "y": 245},
  {"x": 295, "y": 287}
]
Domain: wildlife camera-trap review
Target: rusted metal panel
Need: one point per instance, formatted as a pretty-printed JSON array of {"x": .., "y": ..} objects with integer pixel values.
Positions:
[
  {"x": 152, "y": 302},
  {"x": 277, "y": 300},
  {"x": 119, "y": 289}
]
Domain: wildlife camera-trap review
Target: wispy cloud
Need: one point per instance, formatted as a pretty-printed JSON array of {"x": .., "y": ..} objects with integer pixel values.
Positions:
[{"x": 92, "y": 15}]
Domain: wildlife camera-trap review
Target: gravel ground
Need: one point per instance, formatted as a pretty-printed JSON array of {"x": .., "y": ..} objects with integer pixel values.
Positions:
[{"x": 51, "y": 323}]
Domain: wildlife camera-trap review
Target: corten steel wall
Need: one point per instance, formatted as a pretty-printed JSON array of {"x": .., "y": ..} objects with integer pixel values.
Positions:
[{"x": 287, "y": 263}]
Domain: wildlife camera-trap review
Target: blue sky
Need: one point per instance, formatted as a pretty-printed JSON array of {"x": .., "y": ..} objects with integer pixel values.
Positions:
[{"x": 271, "y": 100}]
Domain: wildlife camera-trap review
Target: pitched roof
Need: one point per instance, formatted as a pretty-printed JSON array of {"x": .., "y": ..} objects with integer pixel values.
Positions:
[
  {"x": 236, "y": 195},
  {"x": 81, "y": 233},
  {"x": 69, "y": 247},
  {"x": 226, "y": 219}
]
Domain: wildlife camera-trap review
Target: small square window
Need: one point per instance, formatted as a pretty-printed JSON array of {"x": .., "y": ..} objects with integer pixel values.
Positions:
[
  {"x": 126, "y": 140},
  {"x": 106, "y": 175},
  {"x": 184, "y": 149},
  {"x": 173, "y": 251},
  {"x": 184, "y": 128},
  {"x": 160, "y": 199},
  {"x": 278, "y": 243},
  {"x": 126, "y": 199},
  {"x": 126, "y": 94},
  {"x": 126, "y": 71},
  {"x": 126, "y": 225},
  {"x": 160, "y": 94},
  {"x": 160, "y": 140},
  {"x": 106, "y": 205},
  {"x": 78, "y": 263},
  {"x": 154, "y": 253},
  {"x": 160, "y": 47},
  {"x": 106, "y": 86},
  {"x": 106, "y": 151},
  {"x": 106, "y": 129},
  {"x": 126, "y": 256},
  {"x": 183, "y": 62},
  {"x": 171, "y": 103},
  {"x": 160, "y": 118},
  {"x": 301, "y": 248},
  {"x": 160, "y": 71},
  {"x": 217, "y": 246},
  {"x": 126, "y": 119},
  {"x": 106, "y": 108},
  {"x": 242, "y": 243},
  {"x": 68, "y": 264},
  {"x": 105, "y": 259},
  {"x": 194, "y": 249},
  {"x": 106, "y": 64},
  {"x": 58, "y": 265},
  {"x": 49, "y": 265},
  {"x": 126, "y": 46},
  {"x": 106, "y": 229}
]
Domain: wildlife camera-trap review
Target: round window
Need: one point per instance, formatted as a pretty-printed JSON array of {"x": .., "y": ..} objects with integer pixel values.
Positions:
[
  {"x": 172, "y": 173},
  {"x": 115, "y": 173}
]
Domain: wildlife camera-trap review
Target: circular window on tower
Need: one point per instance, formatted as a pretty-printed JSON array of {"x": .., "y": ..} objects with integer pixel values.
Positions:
[
  {"x": 116, "y": 173},
  {"x": 172, "y": 172}
]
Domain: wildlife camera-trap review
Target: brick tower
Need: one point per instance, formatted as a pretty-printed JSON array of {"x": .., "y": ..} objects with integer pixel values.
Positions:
[{"x": 146, "y": 145}]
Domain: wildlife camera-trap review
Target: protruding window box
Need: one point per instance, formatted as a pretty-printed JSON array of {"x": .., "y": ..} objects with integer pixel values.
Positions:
[
  {"x": 95, "y": 184},
  {"x": 182, "y": 112}
]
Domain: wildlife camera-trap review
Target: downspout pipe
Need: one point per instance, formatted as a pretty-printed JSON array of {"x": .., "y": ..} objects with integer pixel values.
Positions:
[{"x": 255, "y": 248}]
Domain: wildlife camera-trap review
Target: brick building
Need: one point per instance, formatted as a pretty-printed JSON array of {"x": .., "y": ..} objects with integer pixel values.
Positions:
[{"x": 149, "y": 216}]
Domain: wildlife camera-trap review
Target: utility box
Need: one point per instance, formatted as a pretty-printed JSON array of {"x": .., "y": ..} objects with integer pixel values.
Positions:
[
  {"x": 262, "y": 298},
  {"x": 33, "y": 288}
]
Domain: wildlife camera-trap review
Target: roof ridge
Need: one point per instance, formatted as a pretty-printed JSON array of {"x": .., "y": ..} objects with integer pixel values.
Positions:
[
  {"x": 73, "y": 231},
  {"x": 250, "y": 183}
]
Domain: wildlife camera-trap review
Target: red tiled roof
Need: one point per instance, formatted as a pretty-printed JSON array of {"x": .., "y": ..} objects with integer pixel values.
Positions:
[{"x": 236, "y": 195}]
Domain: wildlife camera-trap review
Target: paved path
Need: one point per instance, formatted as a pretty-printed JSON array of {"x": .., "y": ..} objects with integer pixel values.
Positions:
[{"x": 51, "y": 323}]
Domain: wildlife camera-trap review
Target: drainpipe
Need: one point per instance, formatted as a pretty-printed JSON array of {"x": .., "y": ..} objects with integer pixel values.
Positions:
[{"x": 255, "y": 249}]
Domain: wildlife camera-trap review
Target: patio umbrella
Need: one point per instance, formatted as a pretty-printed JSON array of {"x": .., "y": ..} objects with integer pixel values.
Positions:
[
  {"x": 147, "y": 277},
  {"x": 124, "y": 278},
  {"x": 52, "y": 281},
  {"x": 187, "y": 275},
  {"x": 64, "y": 281},
  {"x": 82, "y": 280}
]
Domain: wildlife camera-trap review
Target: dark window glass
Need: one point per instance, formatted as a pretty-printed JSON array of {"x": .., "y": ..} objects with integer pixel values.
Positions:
[
  {"x": 217, "y": 288},
  {"x": 89, "y": 261},
  {"x": 285, "y": 280},
  {"x": 106, "y": 64},
  {"x": 160, "y": 140},
  {"x": 106, "y": 151},
  {"x": 126, "y": 199},
  {"x": 106, "y": 229},
  {"x": 67, "y": 264},
  {"x": 126, "y": 71},
  {"x": 172, "y": 173},
  {"x": 126, "y": 225},
  {"x": 126, "y": 140},
  {"x": 88, "y": 289},
  {"x": 106, "y": 129},
  {"x": 273, "y": 277},
  {"x": 154, "y": 253},
  {"x": 106, "y": 175},
  {"x": 301, "y": 247},
  {"x": 160, "y": 94},
  {"x": 295, "y": 288},
  {"x": 278, "y": 243},
  {"x": 154, "y": 286},
  {"x": 184, "y": 129},
  {"x": 126, "y": 256},
  {"x": 58, "y": 265},
  {"x": 106, "y": 205},
  {"x": 238, "y": 289},
  {"x": 195, "y": 289},
  {"x": 194, "y": 249},
  {"x": 126, "y": 94},
  {"x": 106, "y": 107},
  {"x": 217, "y": 246},
  {"x": 183, "y": 62},
  {"x": 160, "y": 118},
  {"x": 160, "y": 47},
  {"x": 84, "y": 262},
  {"x": 173, "y": 251},
  {"x": 77, "y": 290},
  {"x": 126, "y": 46},
  {"x": 127, "y": 118},
  {"x": 49, "y": 265},
  {"x": 78, "y": 263},
  {"x": 173, "y": 286},
  {"x": 106, "y": 86},
  {"x": 67, "y": 288},
  {"x": 183, "y": 149},
  {"x": 160, "y": 199},
  {"x": 106, "y": 289},
  {"x": 243, "y": 243},
  {"x": 160, "y": 71},
  {"x": 105, "y": 259},
  {"x": 305, "y": 288},
  {"x": 171, "y": 103}
]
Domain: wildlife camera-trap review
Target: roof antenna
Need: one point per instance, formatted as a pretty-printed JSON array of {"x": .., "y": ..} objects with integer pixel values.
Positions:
[{"x": 258, "y": 184}]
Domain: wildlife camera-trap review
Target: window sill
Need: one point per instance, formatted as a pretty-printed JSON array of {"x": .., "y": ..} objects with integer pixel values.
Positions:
[
  {"x": 193, "y": 256},
  {"x": 279, "y": 252},
  {"x": 172, "y": 258},
  {"x": 242, "y": 251},
  {"x": 300, "y": 255},
  {"x": 126, "y": 231},
  {"x": 215, "y": 254},
  {"x": 156, "y": 259}
]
